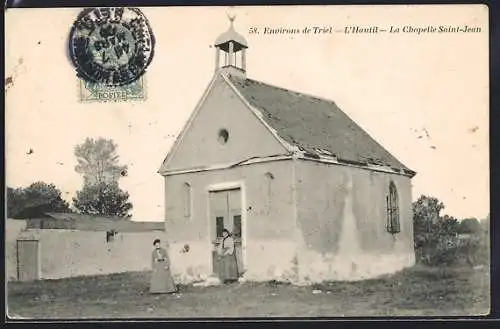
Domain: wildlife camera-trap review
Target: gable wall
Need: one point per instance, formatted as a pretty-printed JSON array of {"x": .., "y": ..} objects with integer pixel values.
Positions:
[
  {"x": 248, "y": 137},
  {"x": 344, "y": 229}
]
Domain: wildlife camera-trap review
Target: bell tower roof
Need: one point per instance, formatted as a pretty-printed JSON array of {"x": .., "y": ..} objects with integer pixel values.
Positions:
[
  {"x": 230, "y": 52},
  {"x": 225, "y": 38}
]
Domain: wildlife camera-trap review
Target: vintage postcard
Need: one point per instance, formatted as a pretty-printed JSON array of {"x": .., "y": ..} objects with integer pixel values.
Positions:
[{"x": 242, "y": 162}]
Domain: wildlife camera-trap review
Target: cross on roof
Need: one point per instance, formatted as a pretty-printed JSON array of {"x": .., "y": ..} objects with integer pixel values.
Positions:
[{"x": 231, "y": 18}]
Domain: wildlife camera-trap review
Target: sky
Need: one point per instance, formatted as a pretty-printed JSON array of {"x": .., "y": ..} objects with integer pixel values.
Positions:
[{"x": 424, "y": 97}]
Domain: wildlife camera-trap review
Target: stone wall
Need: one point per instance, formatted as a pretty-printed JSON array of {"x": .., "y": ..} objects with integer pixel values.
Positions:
[{"x": 68, "y": 253}]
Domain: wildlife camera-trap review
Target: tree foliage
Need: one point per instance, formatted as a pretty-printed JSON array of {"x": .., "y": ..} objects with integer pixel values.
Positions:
[
  {"x": 470, "y": 226},
  {"x": 103, "y": 199},
  {"x": 437, "y": 239},
  {"x": 98, "y": 161},
  {"x": 426, "y": 210},
  {"x": 34, "y": 200}
]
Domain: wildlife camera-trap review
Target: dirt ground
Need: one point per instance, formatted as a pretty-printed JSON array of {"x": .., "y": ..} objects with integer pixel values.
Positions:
[{"x": 417, "y": 291}]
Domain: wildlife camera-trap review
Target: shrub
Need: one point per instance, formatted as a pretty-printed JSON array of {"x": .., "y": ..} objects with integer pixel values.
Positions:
[{"x": 443, "y": 240}]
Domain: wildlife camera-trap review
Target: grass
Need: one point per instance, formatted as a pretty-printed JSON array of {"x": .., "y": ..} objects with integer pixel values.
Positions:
[{"x": 417, "y": 291}]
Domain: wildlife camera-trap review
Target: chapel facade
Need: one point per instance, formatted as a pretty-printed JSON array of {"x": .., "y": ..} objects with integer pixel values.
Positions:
[{"x": 307, "y": 193}]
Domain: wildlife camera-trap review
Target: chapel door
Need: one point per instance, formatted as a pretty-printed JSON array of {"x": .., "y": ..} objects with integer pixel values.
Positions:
[
  {"x": 225, "y": 212},
  {"x": 28, "y": 264}
]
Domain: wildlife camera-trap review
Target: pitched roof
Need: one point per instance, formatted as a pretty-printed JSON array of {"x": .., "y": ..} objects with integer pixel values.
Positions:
[{"x": 315, "y": 125}]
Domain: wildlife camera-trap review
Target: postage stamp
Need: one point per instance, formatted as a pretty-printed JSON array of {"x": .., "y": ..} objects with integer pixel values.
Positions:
[
  {"x": 111, "y": 49},
  {"x": 92, "y": 91}
]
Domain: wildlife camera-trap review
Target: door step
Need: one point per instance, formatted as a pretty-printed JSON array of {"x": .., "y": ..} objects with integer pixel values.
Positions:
[{"x": 210, "y": 281}]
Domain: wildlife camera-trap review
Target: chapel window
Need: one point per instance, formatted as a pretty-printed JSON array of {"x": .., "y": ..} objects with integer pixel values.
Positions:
[
  {"x": 269, "y": 189},
  {"x": 393, "y": 224},
  {"x": 187, "y": 200}
]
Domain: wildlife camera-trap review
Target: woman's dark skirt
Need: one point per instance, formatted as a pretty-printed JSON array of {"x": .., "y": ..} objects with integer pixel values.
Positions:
[{"x": 228, "y": 268}]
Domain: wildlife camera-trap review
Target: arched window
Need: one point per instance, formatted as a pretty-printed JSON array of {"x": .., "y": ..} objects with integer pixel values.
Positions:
[
  {"x": 269, "y": 190},
  {"x": 187, "y": 200},
  {"x": 393, "y": 225}
]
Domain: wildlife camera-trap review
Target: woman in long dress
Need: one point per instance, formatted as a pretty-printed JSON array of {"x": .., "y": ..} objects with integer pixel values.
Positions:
[
  {"x": 161, "y": 280},
  {"x": 229, "y": 265}
]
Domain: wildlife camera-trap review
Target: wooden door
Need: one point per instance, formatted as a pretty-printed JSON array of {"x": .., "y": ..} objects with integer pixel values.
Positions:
[
  {"x": 235, "y": 218},
  {"x": 28, "y": 265},
  {"x": 225, "y": 213}
]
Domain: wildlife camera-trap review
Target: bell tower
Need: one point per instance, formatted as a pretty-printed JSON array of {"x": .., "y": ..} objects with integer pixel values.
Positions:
[{"x": 230, "y": 52}]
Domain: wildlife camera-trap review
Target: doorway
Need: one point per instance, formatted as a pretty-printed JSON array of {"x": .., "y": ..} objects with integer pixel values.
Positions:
[
  {"x": 226, "y": 213},
  {"x": 28, "y": 260}
]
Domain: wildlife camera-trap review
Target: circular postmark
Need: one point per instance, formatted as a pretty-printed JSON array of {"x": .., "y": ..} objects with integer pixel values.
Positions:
[{"x": 111, "y": 46}]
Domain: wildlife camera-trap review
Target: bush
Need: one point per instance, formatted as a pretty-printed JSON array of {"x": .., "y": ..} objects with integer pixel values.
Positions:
[
  {"x": 443, "y": 240},
  {"x": 437, "y": 249},
  {"x": 475, "y": 250}
]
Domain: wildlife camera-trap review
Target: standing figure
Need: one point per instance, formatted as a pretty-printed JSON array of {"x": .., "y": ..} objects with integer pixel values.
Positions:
[
  {"x": 161, "y": 280},
  {"x": 227, "y": 254}
]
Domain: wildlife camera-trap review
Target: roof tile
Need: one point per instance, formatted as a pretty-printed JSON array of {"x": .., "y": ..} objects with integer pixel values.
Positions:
[{"x": 315, "y": 125}]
